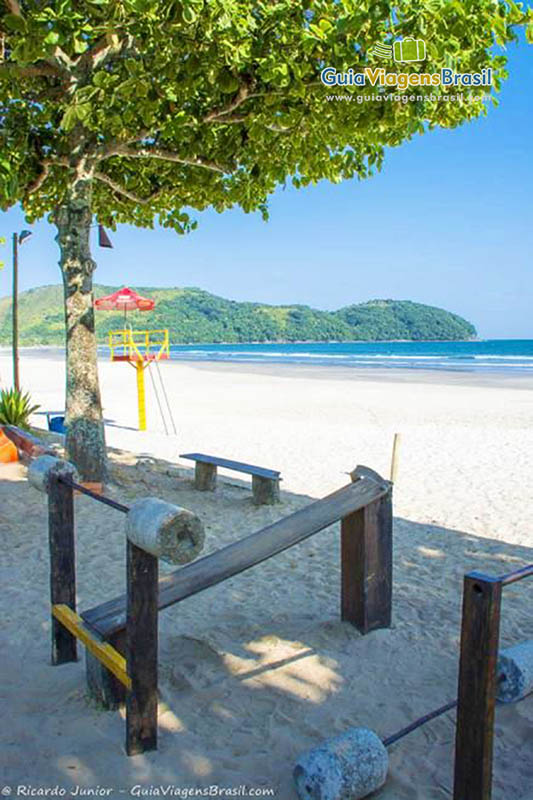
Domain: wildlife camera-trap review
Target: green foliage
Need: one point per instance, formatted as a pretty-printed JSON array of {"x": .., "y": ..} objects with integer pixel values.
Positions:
[
  {"x": 403, "y": 319},
  {"x": 195, "y": 316},
  {"x": 172, "y": 105},
  {"x": 16, "y": 408}
]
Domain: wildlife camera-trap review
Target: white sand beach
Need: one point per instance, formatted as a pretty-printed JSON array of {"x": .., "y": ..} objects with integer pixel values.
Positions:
[{"x": 260, "y": 668}]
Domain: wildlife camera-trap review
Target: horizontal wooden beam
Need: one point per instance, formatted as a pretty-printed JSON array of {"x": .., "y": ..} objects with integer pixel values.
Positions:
[
  {"x": 237, "y": 466},
  {"x": 103, "y": 651},
  {"x": 110, "y": 617}
]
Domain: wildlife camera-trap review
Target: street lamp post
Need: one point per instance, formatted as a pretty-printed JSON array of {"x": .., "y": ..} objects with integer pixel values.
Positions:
[{"x": 18, "y": 239}]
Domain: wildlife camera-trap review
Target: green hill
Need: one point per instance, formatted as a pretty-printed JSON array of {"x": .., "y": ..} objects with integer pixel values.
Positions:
[{"x": 195, "y": 316}]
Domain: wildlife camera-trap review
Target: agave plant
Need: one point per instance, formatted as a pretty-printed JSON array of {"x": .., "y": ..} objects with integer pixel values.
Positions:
[{"x": 16, "y": 408}]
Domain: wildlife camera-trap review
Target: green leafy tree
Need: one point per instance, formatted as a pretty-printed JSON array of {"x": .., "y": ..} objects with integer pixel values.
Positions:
[{"x": 137, "y": 110}]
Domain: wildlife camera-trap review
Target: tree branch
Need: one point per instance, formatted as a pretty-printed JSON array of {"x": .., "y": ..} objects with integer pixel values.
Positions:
[
  {"x": 45, "y": 171},
  {"x": 38, "y": 182},
  {"x": 242, "y": 95},
  {"x": 221, "y": 116},
  {"x": 164, "y": 155},
  {"x": 103, "y": 49},
  {"x": 240, "y": 120},
  {"x": 97, "y": 52},
  {"x": 140, "y": 136},
  {"x": 119, "y": 189},
  {"x": 226, "y": 120},
  {"x": 13, "y": 7},
  {"x": 32, "y": 71},
  {"x": 280, "y": 128},
  {"x": 62, "y": 61}
]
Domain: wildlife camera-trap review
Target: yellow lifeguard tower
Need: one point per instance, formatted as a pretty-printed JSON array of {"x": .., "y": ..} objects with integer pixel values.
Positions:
[{"x": 138, "y": 348}]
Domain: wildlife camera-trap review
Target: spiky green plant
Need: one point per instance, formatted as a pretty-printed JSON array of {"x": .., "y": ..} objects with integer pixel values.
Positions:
[{"x": 16, "y": 408}]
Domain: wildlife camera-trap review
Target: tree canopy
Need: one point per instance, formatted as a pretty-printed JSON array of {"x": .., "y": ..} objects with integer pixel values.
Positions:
[{"x": 170, "y": 106}]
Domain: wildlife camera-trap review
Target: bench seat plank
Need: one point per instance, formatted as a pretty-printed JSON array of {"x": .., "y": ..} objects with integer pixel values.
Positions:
[
  {"x": 110, "y": 617},
  {"x": 238, "y": 466}
]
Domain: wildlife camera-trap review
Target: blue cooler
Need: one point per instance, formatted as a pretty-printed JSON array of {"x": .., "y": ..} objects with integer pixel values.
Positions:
[{"x": 56, "y": 424}]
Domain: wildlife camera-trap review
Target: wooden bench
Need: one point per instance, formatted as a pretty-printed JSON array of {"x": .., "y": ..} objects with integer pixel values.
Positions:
[
  {"x": 365, "y": 508},
  {"x": 265, "y": 482}
]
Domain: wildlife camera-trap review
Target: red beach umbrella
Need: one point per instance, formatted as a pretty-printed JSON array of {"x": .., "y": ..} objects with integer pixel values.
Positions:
[{"x": 124, "y": 300}]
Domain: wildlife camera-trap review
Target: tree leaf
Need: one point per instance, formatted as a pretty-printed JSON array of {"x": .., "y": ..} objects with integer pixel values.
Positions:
[
  {"x": 14, "y": 22},
  {"x": 52, "y": 37}
]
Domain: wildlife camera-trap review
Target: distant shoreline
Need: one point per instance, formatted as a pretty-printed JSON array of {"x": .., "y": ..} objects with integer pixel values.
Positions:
[
  {"x": 333, "y": 371},
  {"x": 7, "y": 347}
]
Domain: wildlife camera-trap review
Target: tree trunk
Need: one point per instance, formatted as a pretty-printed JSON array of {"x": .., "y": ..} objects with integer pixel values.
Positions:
[{"x": 85, "y": 440}]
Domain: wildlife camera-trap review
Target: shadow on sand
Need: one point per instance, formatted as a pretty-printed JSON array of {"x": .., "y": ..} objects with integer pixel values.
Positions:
[{"x": 257, "y": 669}]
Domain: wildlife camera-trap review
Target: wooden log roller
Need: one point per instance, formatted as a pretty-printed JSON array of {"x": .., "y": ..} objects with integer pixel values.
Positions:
[
  {"x": 164, "y": 530},
  {"x": 515, "y": 671},
  {"x": 47, "y": 469}
]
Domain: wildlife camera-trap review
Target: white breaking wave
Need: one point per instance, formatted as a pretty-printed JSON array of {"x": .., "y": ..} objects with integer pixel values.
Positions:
[{"x": 461, "y": 356}]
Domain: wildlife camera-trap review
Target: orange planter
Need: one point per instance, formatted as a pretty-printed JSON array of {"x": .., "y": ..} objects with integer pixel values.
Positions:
[{"x": 8, "y": 451}]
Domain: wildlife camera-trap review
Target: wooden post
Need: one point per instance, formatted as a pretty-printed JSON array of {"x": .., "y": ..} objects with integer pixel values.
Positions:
[
  {"x": 366, "y": 566},
  {"x": 141, "y": 651},
  {"x": 62, "y": 565},
  {"x": 265, "y": 490},
  {"x": 480, "y": 631},
  {"x": 205, "y": 477},
  {"x": 395, "y": 457},
  {"x": 102, "y": 686}
]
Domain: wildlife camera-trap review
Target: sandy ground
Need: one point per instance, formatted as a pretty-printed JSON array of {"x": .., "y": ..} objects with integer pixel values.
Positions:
[{"x": 259, "y": 669}]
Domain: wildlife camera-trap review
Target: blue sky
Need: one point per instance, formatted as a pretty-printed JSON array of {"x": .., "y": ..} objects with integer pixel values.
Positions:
[{"x": 447, "y": 222}]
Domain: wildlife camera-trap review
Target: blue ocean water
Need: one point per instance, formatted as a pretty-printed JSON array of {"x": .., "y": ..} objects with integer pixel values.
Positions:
[{"x": 496, "y": 355}]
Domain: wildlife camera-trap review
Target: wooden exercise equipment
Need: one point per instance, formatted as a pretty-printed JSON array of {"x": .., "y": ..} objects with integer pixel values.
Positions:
[
  {"x": 121, "y": 634},
  {"x": 365, "y": 508}
]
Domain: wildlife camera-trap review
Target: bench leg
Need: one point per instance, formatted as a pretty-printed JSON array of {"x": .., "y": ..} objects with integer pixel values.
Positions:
[
  {"x": 205, "y": 477},
  {"x": 102, "y": 686},
  {"x": 265, "y": 490}
]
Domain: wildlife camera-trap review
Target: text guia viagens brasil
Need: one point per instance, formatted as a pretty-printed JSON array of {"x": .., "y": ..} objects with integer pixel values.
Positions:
[{"x": 378, "y": 76}]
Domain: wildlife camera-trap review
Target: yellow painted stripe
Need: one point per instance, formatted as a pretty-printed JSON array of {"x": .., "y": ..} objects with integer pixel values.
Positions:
[{"x": 103, "y": 651}]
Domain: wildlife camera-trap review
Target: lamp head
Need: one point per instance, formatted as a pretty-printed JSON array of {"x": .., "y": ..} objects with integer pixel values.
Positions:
[
  {"x": 103, "y": 238},
  {"x": 24, "y": 235}
]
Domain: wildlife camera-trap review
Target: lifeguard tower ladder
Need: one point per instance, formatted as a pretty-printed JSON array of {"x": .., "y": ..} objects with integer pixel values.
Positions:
[{"x": 140, "y": 349}]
